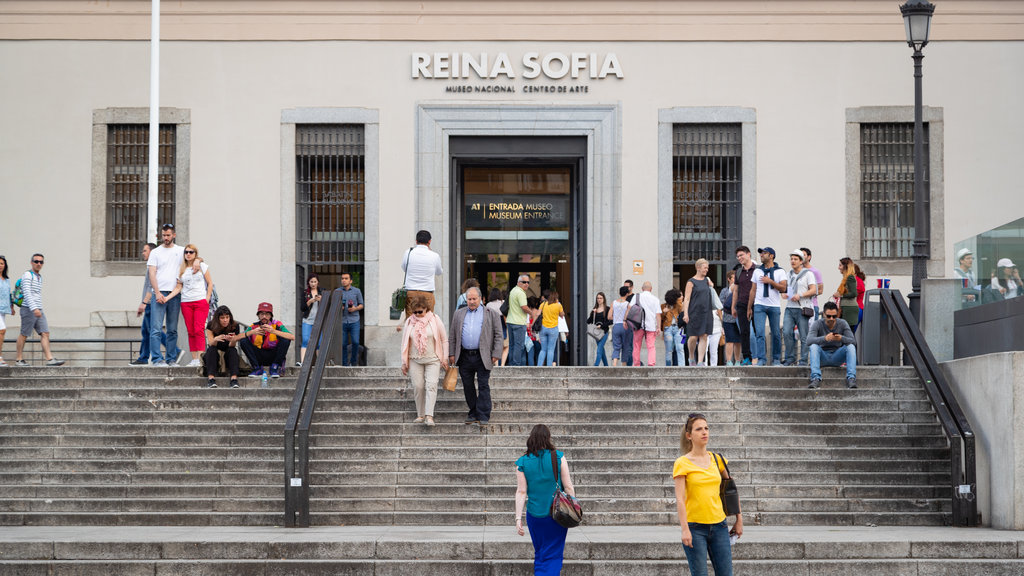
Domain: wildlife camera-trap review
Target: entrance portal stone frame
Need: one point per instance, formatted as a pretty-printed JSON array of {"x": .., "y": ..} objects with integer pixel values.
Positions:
[
  {"x": 369, "y": 118},
  {"x": 601, "y": 124},
  {"x": 667, "y": 118}
]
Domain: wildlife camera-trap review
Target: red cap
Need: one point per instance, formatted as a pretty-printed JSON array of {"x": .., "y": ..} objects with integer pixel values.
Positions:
[{"x": 265, "y": 307}]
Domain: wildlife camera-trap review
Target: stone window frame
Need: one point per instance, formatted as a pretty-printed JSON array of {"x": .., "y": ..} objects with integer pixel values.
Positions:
[
  {"x": 933, "y": 116},
  {"x": 369, "y": 118},
  {"x": 99, "y": 266},
  {"x": 667, "y": 120}
]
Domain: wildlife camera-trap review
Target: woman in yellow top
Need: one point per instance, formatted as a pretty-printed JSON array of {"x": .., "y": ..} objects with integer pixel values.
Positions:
[
  {"x": 701, "y": 515},
  {"x": 549, "y": 331}
]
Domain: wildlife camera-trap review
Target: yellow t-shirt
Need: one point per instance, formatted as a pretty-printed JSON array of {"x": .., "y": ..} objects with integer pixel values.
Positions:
[
  {"x": 550, "y": 314},
  {"x": 703, "y": 502}
]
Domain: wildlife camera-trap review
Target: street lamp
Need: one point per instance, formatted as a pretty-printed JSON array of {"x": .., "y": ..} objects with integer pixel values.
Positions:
[{"x": 917, "y": 19}]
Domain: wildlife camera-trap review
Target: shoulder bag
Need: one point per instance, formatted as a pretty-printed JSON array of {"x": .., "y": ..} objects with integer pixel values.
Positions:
[
  {"x": 727, "y": 491},
  {"x": 635, "y": 315},
  {"x": 565, "y": 509},
  {"x": 400, "y": 297},
  {"x": 538, "y": 324}
]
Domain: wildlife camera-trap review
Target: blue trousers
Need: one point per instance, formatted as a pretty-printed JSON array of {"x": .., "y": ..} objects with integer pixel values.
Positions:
[
  {"x": 622, "y": 344},
  {"x": 673, "y": 343},
  {"x": 548, "y": 346},
  {"x": 821, "y": 357},
  {"x": 795, "y": 318},
  {"x": 516, "y": 340},
  {"x": 601, "y": 358},
  {"x": 772, "y": 313},
  {"x": 169, "y": 311},
  {"x": 349, "y": 337},
  {"x": 144, "y": 343},
  {"x": 548, "y": 539},
  {"x": 709, "y": 540}
]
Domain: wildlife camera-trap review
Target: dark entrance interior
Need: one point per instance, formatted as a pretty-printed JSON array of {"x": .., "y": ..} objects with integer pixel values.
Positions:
[{"x": 518, "y": 202}]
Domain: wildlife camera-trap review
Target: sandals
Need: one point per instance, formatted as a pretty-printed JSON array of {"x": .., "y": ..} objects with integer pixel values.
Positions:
[
  {"x": 429, "y": 420},
  {"x": 418, "y": 420}
]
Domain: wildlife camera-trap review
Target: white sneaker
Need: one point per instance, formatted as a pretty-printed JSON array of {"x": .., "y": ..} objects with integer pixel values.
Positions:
[
  {"x": 159, "y": 364},
  {"x": 193, "y": 363}
]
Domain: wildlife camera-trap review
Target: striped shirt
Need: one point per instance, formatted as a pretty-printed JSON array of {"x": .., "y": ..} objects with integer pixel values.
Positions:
[{"x": 32, "y": 288}]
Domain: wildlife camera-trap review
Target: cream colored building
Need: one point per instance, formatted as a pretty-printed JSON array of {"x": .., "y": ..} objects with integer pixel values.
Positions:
[{"x": 581, "y": 142}]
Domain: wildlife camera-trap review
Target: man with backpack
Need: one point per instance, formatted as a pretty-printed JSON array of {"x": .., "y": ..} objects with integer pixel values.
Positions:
[
  {"x": 767, "y": 284},
  {"x": 28, "y": 293},
  {"x": 801, "y": 287},
  {"x": 645, "y": 321}
]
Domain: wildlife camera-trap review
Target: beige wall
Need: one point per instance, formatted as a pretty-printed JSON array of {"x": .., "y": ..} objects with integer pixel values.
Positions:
[{"x": 235, "y": 92}]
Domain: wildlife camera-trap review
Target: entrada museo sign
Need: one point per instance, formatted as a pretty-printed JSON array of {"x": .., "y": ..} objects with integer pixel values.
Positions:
[{"x": 553, "y": 65}]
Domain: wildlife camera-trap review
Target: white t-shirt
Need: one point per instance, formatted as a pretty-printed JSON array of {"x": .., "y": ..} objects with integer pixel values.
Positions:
[
  {"x": 193, "y": 285},
  {"x": 421, "y": 265},
  {"x": 652, "y": 307},
  {"x": 773, "y": 298},
  {"x": 168, "y": 262},
  {"x": 800, "y": 284}
]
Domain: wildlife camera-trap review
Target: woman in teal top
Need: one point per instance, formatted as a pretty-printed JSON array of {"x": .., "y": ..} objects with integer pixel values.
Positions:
[{"x": 535, "y": 490}]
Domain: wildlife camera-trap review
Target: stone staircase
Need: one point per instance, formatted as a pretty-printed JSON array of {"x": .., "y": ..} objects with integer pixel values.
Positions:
[{"x": 145, "y": 446}]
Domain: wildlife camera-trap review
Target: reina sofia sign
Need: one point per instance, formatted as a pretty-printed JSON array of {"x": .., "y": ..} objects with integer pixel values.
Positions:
[{"x": 553, "y": 65}]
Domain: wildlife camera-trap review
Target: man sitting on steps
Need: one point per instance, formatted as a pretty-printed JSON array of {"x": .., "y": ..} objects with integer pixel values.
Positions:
[
  {"x": 832, "y": 339},
  {"x": 266, "y": 342}
]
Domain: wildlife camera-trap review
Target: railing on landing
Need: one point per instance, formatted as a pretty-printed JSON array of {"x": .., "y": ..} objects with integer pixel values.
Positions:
[
  {"x": 296, "y": 430},
  {"x": 958, "y": 430}
]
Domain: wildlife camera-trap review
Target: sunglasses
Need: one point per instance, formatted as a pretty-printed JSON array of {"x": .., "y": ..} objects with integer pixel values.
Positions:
[
  {"x": 696, "y": 415},
  {"x": 37, "y": 261},
  {"x": 190, "y": 251},
  {"x": 167, "y": 227},
  {"x": 418, "y": 312},
  {"x": 832, "y": 316}
]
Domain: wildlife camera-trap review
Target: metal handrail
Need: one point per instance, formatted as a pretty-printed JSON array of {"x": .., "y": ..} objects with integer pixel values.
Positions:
[
  {"x": 958, "y": 430},
  {"x": 300, "y": 416}
]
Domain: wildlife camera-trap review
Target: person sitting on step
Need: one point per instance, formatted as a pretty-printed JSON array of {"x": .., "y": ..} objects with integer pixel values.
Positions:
[
  {"x": 266, "y": 342},
  {"x": 831, "y": 344},
  {"x": 222, "y": 336}
]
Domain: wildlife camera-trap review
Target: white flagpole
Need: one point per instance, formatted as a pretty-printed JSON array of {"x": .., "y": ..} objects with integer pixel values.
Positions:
[{"x": 154, "y": 123}]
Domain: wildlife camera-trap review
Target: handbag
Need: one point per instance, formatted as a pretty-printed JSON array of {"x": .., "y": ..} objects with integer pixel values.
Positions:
[
  {"x": 538, "y": 324},
  {"x": 807, "y": 311},
  {"x": 594, "y": 331},
  {"x": 727, "y": 490},
  {"x": 635, "y": 315},
  {"x": 451, "y": 377},
  {"x": 565, "y": 509},
  {"x": 214, "y": 302},
  {"x": 716, "y": 302},
  {"x": 400, "y": 297}
]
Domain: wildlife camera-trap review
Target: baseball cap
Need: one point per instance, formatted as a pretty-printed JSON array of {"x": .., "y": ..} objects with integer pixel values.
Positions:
[
  {"x": 265, "y": 307},
  {"x": 798, "y": 253},
  {"x": 1005, "y": 263},
  {"x": 963, "y": 252},
  {"x": 771, "y": 251}
]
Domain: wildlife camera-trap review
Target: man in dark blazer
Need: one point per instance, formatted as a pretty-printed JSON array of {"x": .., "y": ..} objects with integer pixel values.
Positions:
[{"x": 474, "y": 345}]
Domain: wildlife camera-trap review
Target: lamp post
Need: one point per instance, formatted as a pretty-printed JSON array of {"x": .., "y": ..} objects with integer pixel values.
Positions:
[{"x": 917, "y": 19}]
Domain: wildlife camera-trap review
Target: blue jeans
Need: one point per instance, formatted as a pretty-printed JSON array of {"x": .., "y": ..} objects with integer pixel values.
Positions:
[
  {"x": 548, "y": 346},
  {"x": 622, "y": 344},
  {"x": 170, "y": 310},
  {"x": 548, "y": 539},
  {"x": 516, "y": 340},
  {"x": 349, "y": 336},
  {"x": 822, "y": 357},
  {"x": 601, "y": 357},
  {"x": 795, "y": 318},
  {"x": 713, "y": 540},
  {"x": 772, "y": 313},
  {"x": 144, "y": 343},
  {"x": 673, "y": 342}
]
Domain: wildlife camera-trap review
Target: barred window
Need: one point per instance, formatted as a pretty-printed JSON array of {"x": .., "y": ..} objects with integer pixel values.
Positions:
[
  {"x": 127, "y": 198},
  {"x": 887, "y": 188},
  {"x": 330, "y": 194},
  {"x": 706, "y": 191}
]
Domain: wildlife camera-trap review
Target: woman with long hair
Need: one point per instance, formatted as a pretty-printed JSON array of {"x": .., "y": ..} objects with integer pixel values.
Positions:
[
  {"x": 697, "y": 312},
  {"x": 601, "y": 316},
  {"x": 196, "y": 289},
  {"x": 861, "y": 290},
  {"x": 222, "y": 335},
  {"x": 5, "y": 304},
  {"x": 424, "y": 355},
  {"x": 846, "y": 295},
  {"x": 698, "y": 477},
  {"x": 535, "y": 489},
  {"x": 551, "y": 311},
  {"x": 671, "y": 309},
  {"x": 622, "y": 337},
  {"x": 311, "y": 297}
]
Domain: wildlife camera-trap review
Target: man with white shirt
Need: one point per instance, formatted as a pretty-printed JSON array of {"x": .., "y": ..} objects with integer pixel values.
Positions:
[
  {"x": 652, "y": 324},
  {"x": 164, "y": 265},
  {"x": 818, "y": 279},
  {"x": 767, "y": 284},
  {"x": 420, "y": 265},
  {"x": 800, "y": 288}
]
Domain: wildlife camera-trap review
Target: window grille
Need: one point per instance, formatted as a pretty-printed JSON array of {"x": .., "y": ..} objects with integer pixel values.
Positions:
[
  {"x": 330, "y": 194},
  {"x": 128, "y": 187},
  {"x": 706, "y": 191},
  {"x": 887, "y": 189}
]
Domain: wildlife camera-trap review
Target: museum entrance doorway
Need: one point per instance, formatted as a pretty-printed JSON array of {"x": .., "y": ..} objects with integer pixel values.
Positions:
[{"x": 519, "y": 204}]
